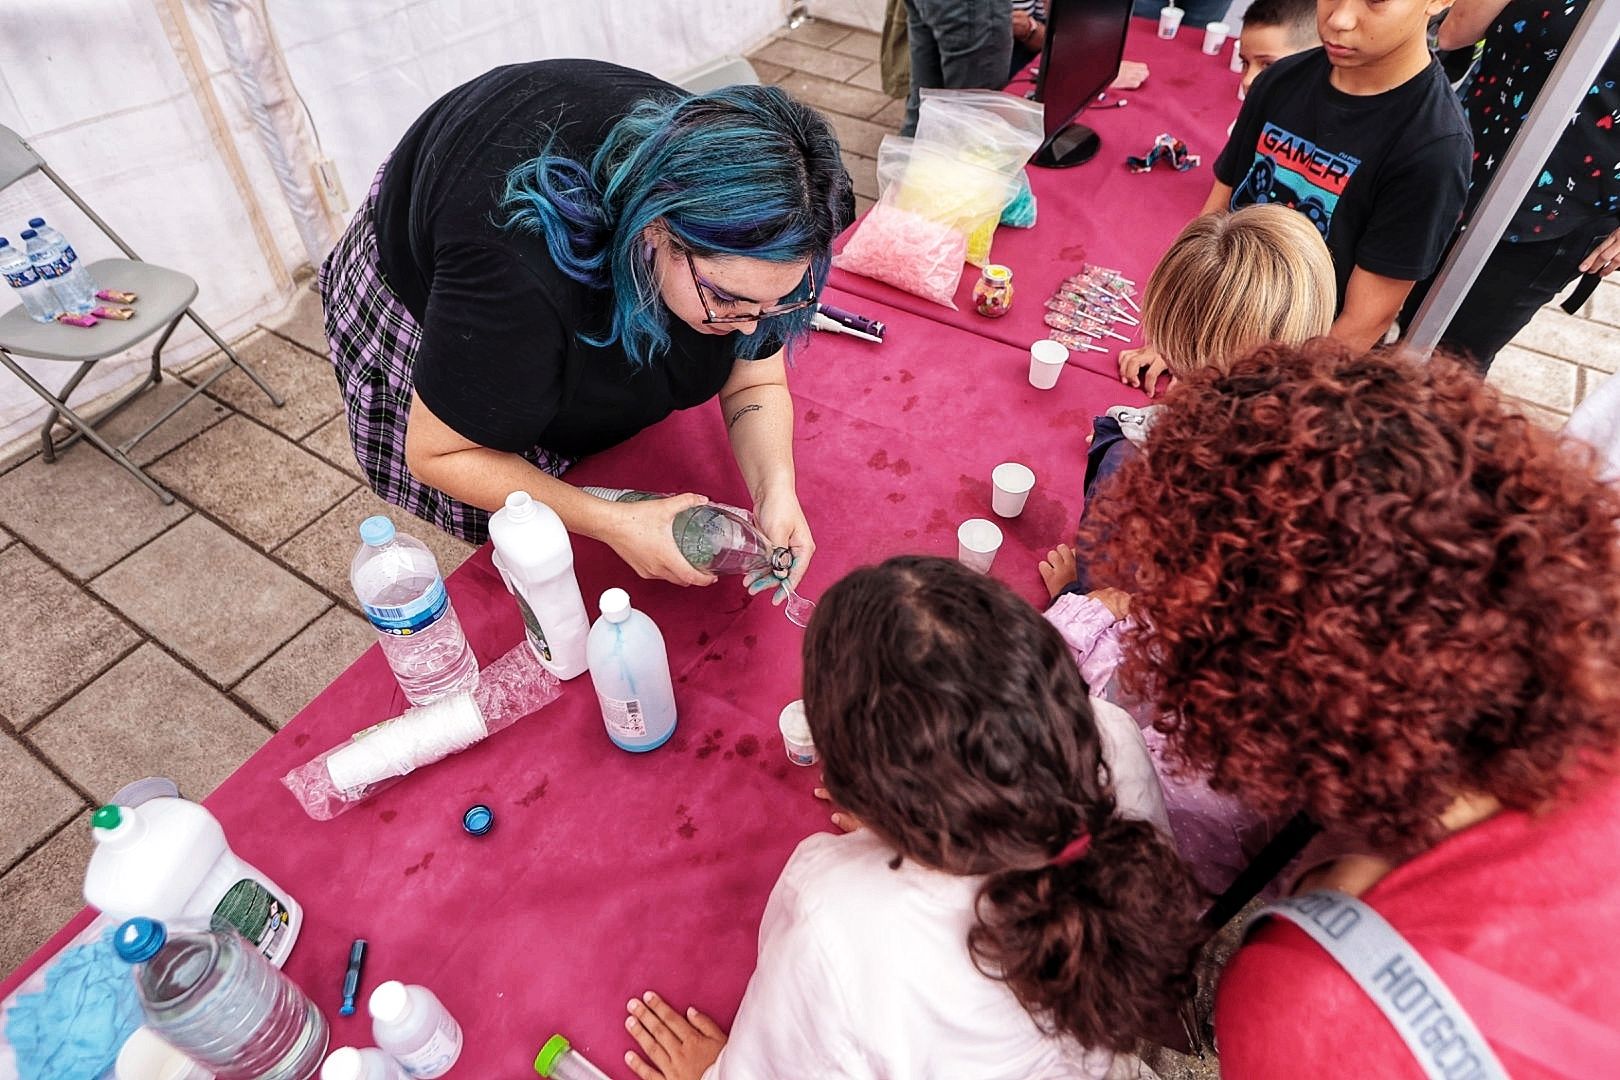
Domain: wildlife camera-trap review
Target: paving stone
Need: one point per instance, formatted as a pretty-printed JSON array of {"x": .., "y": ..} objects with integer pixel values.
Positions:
[
  {"x": 200, "y": 414},
  {"x": 817, "y": 34},
  {"x": 862, "y": 174},
  {"x": 302, "y": 320},
  {"x": 148, "y": 716},
  {"x": 322, "y": 552},
  {"x": 833, "y": 97},
  {"x": 861, "y": 43},
  {"x": 331, "y": 442},
  {"x": 1533, "y": 377},
  {"x": 796, "y": 54},
  {"x": 1581, "y": 341},
  {"x": 304, "y": 380},
  {"x": 303, "y": 667},
  {"x": 1551, "y": 419},
  {"x": 869, "y": 77},
  {"x": 43, "y": 891},
  {"x": 862, "y": 205},
  {"x": 1591, "y": 379},
  {"x": 251, "y": 478},
  {"x": 33, "y": 800},
  {"x": 1604, "y": 307},
  {"x": 857, "y": 136},
  {"x": 85, "y": 512},
  {"x": 58, "y": 636},
  {"x": 892, "y": 115},
  {"x": 768, "y": 72},
  {"x": 210, "y": 598},
  {"x": 5, "y": 539}
]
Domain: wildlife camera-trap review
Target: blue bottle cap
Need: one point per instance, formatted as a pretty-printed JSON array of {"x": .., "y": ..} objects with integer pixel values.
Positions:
[
  {"x": 36, "y": 223},
  {"x": 478, "y": 820},
  {"x": 4, "y": 242},
  {"x": 28, "y": 234},
  {"x": 139, "y": 939},
  {"x": 377, "y": 530}
]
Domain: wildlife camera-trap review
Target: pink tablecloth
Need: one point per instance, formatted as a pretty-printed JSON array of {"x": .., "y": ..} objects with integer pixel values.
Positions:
[
  {"x": 1101, "y": 212},
  {"x": 606, "y": 872}
]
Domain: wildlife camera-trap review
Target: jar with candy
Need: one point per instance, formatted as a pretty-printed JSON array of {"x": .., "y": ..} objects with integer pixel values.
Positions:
[{"x": 993, "y": 295}]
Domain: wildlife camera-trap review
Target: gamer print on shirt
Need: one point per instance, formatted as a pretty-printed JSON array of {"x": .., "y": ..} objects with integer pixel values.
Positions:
[{"x": 1295, "y": 172}]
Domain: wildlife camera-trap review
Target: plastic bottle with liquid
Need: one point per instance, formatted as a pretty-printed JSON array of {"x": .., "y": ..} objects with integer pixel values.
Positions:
[
  {"x": 36, "y": 294},
  {"x": 168, "y": 859},
  {"x": 558, "y": 1060},
  {"x": 413, "y": 1027},
  {"x": 49, "y": 259},
  {"x": 537, "y": 564},
  {"x": 397, "y": 582},
  {"x": 714, "y": 537},
  {"x": 215, "y": 998},
  {"x": 81, "y": 280},
  {"x": 630, "y": 668},
  {"x": 370, "y": 1063}
]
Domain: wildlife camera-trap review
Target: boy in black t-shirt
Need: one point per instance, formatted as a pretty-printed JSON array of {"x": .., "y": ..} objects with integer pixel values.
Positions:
[{"x": 1365, "y": 138}]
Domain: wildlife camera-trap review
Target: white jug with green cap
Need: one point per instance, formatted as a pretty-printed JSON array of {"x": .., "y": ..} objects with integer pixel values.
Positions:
[{"x": 558, "y": 1060}]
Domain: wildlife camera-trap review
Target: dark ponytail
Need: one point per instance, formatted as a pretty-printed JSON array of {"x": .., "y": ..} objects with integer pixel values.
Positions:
[{"x": 953, "y": 722}]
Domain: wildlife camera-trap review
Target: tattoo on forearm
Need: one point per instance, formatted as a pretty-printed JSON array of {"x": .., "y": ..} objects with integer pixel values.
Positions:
[{"x": 740, "y": 413}]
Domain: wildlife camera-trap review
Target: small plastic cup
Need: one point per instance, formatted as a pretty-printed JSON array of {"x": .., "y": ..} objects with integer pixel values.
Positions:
[
  {"x": 801, "y": 749},
  {"x": 1237, "y": 56},
  {"x": 1010, "y": 487},
  {"x": 977, "y": 541},
  {"x": 1170, "y": 20},
  {"x": 1046, "y": 360},
  {"x": 1215, "y": 35}
]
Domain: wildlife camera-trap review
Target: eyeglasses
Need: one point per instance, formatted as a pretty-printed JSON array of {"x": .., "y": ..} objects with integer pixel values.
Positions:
[{"x": 705, "y": 292}]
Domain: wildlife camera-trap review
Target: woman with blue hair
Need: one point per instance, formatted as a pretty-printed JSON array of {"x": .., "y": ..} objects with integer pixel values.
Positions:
[{"x": 561, "y": 253}]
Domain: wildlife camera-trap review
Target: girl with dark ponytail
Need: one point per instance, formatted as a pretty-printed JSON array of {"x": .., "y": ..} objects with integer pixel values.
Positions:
[{"x": 1008, "y": 904}]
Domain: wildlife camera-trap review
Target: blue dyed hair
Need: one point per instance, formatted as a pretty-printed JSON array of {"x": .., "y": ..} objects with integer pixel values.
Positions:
[{"x": 742, "y": 171}]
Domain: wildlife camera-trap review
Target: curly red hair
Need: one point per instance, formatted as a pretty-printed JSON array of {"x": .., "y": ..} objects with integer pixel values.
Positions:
[{"x": 1365, "y": 586}]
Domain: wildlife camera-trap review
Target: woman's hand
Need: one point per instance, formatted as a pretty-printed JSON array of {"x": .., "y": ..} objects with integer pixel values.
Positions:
[
  {"x": 782, "y": 521},
  {"x": 841, "y": 818},
  {"x": 1605, "y": 258},
  {"x": 677, "y": 1047},
  {"x": 643, "y": 533}
]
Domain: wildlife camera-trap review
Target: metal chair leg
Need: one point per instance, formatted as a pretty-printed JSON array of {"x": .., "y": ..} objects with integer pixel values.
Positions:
[
  {"x": 230, "y": 353},
  {"x": 61, "y": 408},
  {"x": 153, "y": 377}
]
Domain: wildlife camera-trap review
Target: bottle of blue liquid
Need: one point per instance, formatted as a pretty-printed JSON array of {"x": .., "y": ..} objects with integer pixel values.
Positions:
[{"x": 630, "y": 667}]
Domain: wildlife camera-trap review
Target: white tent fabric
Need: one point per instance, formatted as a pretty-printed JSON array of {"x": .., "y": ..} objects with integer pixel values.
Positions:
[{"x": 178, "y": 121}]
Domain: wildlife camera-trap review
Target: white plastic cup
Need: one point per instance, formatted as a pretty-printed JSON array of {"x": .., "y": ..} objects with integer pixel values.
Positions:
[
  {"x": 1237, "y": 56},
  {"x": 1170, "y": 20},
  {"x": 1215, "y": 35},
  {"x": 795, "y": 726},
  {"x": 977, "y": 541},
  {"x": 146, "y": 1056},
  {"x": 1010, "y": 484},
  {"x": 1046, "y": 360}
]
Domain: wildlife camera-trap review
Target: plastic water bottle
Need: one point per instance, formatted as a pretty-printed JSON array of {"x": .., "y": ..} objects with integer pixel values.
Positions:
[
  {"x": 558, "y": 1060},
  {"x": 349, "y": 1063},
  {"x": 397, "y": 582},
  {"x": 412, "y": 1024},
  {"x": 52, "y": 265},
  {"x": 714, "y": 537},
  {"x": 630, "y": 668},
  {"x": 37, "y": 297},
  {"x": 213, "y": 997},
  {"x": 83, "y": 282},
  {"x": 537, "y": 564}
]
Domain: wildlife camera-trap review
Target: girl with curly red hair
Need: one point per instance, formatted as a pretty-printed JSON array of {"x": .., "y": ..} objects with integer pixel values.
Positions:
[{"x": 1369, "y": 592}]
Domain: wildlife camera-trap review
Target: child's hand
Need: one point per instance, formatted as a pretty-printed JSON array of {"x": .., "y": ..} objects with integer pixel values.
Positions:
[
  {"x": 1132, "y": 73},
  {"x": 1141, "y": 367},
  {"x": 1058, "y": 569},
  {"x": 678, "y": 1047},
  {"x": 841, "y": 818},
  {"x": 1117, "y": 601}
]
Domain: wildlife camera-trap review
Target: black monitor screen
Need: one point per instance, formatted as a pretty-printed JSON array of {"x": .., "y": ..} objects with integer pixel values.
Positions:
[{"x": 1085, "y": 41}]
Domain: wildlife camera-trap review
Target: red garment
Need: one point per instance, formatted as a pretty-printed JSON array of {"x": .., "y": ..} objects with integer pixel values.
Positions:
[{"x": 1534, "y": 898}]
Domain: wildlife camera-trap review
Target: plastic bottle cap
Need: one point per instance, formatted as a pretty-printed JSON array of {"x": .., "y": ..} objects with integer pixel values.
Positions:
[
  {"x": 615, "y": 605},
  {"x": 36, "y": 223},
  {"x": 478, "y": 820},
  {"x": 344, "y": 1064},
  {"x": 139, "y": 939},
  {"x": 4, "y": 242},
  {"x": 376, "y": 531},
  {"x": 520, "y": 506},
  {"x": 389, "y": 1002},
  {"x": 108, "y": 817},
  {"x": 546, "y": 1060},
  {"x": 29, "y": 234}
]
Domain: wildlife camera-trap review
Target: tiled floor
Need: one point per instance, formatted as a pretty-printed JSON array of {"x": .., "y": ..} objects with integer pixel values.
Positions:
[{"x": 150, "y": 639}]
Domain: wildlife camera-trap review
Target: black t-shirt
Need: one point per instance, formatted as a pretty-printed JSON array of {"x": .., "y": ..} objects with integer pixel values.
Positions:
[
  {"x": 501, "y": 360},
  {"x": 1580, "y": 181},
  {"x": 1383, "y": 176}
]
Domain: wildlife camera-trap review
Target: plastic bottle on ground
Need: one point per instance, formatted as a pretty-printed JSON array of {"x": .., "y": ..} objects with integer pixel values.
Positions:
[
  {"x": 630, "y": 668},
  {"x": 537, "y": 563},
  {"x": 401, "y": 592},
  {"x": 216, "y": 999},
  {"x": 412, "y": 1025},
  {"x": 558, "y": 1060},
  {"x": 168, "y": 859},
  {"x": 36, "y": 294},
  {"x": 370, "y": 1063},
  {"x": 52, "y": 265},
  {"x": 83, "y": 282}
]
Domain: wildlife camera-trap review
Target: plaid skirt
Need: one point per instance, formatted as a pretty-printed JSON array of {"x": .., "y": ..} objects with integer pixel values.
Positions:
[{"x": 374, "y": 341}]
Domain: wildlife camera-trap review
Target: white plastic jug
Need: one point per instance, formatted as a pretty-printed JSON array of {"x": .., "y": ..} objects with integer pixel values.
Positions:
[
  {"x": 536, "y": 560},
  {"x": 168, "y": 859}
]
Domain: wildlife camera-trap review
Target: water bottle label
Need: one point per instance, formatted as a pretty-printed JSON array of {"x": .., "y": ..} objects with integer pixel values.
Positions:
[
  {"x": 53, "y": 270},
  {"x": 69, "y": 256},
  {"x": 624, "y": 718},
  {"x": 22, "y": 278},
  {"x": 412, "y": 618},
  {"x": 531, "y": 625},
  {"x": 258, "y": 916},
  {"x": 435, "y": 1056}
]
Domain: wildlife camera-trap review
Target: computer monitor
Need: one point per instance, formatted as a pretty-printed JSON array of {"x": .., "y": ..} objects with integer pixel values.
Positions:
[{"x": 1085, "y": 41}]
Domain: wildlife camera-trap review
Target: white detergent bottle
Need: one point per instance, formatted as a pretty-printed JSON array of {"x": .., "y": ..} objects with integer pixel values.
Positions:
[
  {"x": 412, "y": 1025},
  {"x": 536, "y": 559},
  {"x": 630, "y": 668},
  {"x": 168, "y": 860}
]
